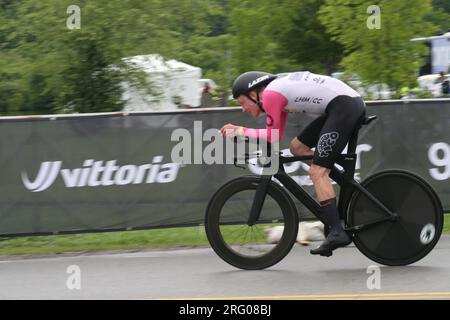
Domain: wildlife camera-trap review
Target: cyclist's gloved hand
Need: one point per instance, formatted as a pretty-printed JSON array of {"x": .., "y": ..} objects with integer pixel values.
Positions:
[{"x": 230, "y": 131}]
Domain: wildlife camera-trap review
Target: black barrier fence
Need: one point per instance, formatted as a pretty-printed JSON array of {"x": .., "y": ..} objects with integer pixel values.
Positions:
[{"x": 105, "y": 172}]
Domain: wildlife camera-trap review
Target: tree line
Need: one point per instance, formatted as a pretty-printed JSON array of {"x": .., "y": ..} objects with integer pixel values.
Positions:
[{"x": 47, "y": 67}]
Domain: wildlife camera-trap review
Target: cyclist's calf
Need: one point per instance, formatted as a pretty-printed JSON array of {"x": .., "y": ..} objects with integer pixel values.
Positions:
[
  {"x": 319, "y": 175},
  {"x": 322, "y": 184}
]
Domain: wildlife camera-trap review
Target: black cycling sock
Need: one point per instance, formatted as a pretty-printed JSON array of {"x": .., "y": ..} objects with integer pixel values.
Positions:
[{"x": 330, "y": 212}]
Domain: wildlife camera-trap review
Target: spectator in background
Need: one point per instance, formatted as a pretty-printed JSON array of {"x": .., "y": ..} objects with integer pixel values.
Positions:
[
  {"x": 444, "y": 81},
  {"x": 207, "y": 88},
  {"x": 206, "y": 100}
]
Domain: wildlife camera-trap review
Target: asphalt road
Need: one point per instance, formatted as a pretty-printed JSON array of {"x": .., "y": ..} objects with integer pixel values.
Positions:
[{"x": 199, "y": 273}]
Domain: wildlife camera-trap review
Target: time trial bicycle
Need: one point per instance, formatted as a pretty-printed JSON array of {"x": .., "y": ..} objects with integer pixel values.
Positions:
[{"x": 394, "y": 217}]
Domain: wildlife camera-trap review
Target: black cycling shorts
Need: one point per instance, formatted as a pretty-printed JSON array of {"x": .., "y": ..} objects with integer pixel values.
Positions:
[{"x": 330, "y": 132}]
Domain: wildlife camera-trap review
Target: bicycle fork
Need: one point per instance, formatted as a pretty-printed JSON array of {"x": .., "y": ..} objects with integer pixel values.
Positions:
[
  {"x": 258, "y": 200},
  {"x": 292, "y": 186}
]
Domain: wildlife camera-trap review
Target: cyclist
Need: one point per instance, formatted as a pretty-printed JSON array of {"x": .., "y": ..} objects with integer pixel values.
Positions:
[{"x": 340, "y": 110}]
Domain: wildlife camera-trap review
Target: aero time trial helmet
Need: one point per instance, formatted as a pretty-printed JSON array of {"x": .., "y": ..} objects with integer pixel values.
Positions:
[{"x": 249, "y": 81}]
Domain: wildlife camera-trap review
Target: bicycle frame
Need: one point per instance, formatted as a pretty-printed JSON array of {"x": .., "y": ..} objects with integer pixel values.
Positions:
[{"x": 344, "y": 178}]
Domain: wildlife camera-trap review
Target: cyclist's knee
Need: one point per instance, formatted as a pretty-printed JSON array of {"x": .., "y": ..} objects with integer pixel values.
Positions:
[{"x": 297, "y": 148}]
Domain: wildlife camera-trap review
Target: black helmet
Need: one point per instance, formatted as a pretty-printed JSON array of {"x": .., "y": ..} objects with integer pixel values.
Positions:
[{"x": 249, "y": 81}]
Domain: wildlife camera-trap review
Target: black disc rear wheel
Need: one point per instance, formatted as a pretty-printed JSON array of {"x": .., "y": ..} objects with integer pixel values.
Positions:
[{"x": 413, "y": 235}]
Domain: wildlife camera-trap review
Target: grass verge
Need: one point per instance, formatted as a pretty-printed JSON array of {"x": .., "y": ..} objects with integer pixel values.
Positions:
[{"x": 129, "y": 240}]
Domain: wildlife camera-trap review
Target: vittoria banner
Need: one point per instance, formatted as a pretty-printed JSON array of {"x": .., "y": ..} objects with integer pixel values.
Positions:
[{"x": 87, "y": 173}]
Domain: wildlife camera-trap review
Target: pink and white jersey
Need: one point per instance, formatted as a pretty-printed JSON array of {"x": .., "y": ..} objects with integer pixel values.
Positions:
[
  {"x": 297, "y": 92},
  {"x": 309, "y": 92}
]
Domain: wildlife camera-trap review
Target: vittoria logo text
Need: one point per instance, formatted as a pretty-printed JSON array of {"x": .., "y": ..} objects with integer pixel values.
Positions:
[{"x": 101, "y": 173}]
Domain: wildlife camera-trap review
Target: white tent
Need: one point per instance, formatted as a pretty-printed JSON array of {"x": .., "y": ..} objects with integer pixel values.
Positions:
[{"x": 176, "y": 82}]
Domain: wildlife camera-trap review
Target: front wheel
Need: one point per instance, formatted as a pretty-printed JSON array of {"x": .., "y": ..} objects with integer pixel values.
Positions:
[
  {"x": 260, "y": 245},
  {"x": 413, "y": 235}
]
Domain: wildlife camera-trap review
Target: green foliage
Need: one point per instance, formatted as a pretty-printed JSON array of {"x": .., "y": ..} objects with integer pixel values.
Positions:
[
  {"x": 379, "y": 55},
  {"x": 443, "y": 5},
  {"x": 302, "y": 38},
  {"x": 47, "y": 68},
  {"x": 440, "y": 16},
  {"x": 252, "y": 43},
  {"x": 212, "y": 54},
  {"x": 62, "y": 70}
]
